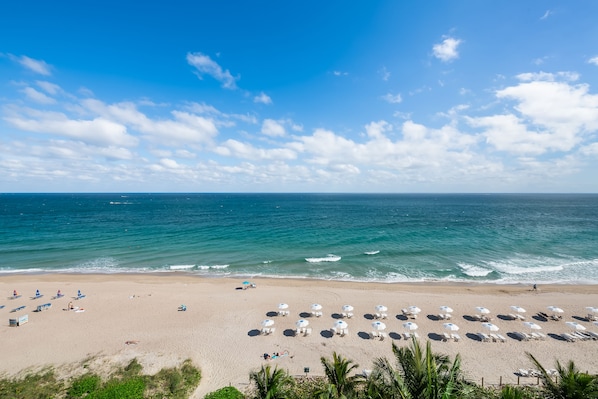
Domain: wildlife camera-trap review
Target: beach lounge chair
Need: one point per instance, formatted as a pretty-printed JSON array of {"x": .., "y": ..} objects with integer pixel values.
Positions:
[
  {"x": 456, "y": 337},
  {"x": 593, "y": 334},
  {"x": 382, "y": 335},
  {"x": 501, "y": 338},
  {"x": 537, "y": 336},
  {"x": 18, "y": 309},
  {"x": 523, "y": 373},
  {"x": 568, "y": 337},
  {"x": 484, "y": 337},
  {"x": 182, "y": 308},
  {"x": 374, "y": 334},
  {"x": 446, "y": 337},
  {"x": 344, "y": 331},
  {"x": 307, "y": 331},
  {"x": 407, "y": 335}
]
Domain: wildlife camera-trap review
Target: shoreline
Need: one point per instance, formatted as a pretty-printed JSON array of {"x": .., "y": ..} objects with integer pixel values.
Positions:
[{"x": 220, "y": 329}]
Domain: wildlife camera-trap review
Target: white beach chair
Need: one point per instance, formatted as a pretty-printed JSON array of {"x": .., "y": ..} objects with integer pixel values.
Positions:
[
  {"x": 501, "y": 338},
  {"x": 446, "y": 337},
  {"x": 406, "y": 335},
  {"x": 374, "y": 334},
  {"x": 307, "y": 331},
  {"x": 382, "y": 335},
  {"x": 456, "y": 337}
]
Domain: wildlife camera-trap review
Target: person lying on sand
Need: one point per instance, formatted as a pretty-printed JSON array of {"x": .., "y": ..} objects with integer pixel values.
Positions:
[{"x": 133, "y": 342}]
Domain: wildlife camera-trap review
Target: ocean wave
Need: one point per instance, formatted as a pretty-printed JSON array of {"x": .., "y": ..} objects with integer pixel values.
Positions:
[
  {"x": 473, "y": 270},
  {"x": 208, "y": 267},
  {"x": 328, "y": 258},
  {"x": 371, "y": 252},
  {"x": 181, "y": 267}
]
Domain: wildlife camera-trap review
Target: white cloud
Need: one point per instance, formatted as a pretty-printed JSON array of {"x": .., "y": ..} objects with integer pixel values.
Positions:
[
  {"x": 548, "y": 77},
  {"x": 206, "y": 66},
  {"x": 593, "y": 60},
  {"x": 235, "y": 148},
  {"x": 340, "y": 73},
  {"x": 447, "y": 50},
  {"x": 37, "y": 96},
  {"x": 98, "y": 131},
  {"x": 392, "y": 98},
  {"x": 37, "y": 66},
  {"x": 262, "y": 98},
  {"x": 384, "y": 73},
  {"x": 546, "y": 14},
  {"x": 273, "y": 128},
  {"x": 49, "y": 87}
]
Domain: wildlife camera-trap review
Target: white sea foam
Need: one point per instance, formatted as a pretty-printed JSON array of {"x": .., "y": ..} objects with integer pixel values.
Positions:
[
  {"x": 371, "y": 252},
  {"x": 473, "y": 270},
  {"x": 181, "y": 267},
  {"x": 207, "y": 267},
  {"x": 328, "y": 258}
]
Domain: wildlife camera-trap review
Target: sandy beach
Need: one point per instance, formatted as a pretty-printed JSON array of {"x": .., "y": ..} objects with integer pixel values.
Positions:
[{"x": 127, "y": 316}]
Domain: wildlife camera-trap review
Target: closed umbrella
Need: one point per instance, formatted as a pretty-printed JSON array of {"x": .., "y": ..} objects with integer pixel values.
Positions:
[
  {"x": 451, "y": 327},
  {"x": 378, "y": 325},
  {"x": 490, "y": 326}
]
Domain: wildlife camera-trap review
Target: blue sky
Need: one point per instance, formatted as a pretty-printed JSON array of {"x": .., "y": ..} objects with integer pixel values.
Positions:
[{"x": 288, "y": 96}]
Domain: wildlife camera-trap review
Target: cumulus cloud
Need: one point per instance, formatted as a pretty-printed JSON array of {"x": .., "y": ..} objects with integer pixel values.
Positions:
[
  {"x": 262, "y": 98},
  {"x": 37, "y": 96},
  {"x": 49, "y": 87},
  {"x": 235, "y": 148},
  {"x": 593, "y": 60},
  {"x": 447, "y": 50},
  {"x": 204, "y": 65},
  {"x": 37, "y": 66},
  {"x": 273, "y": 128},
  {"x": 392, "y": 98}
]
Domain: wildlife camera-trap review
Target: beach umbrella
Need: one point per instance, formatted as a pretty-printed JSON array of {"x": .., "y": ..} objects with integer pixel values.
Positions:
[
  {"x": 283, "y": 306},
  {"x": 482, "y": 309},
  {"x": 446, "y": 309},
  {"x": 268, "y": 323},
  {"x": 576, "y": 326},
  {"x": 316, "y": 307},
  {"x": 555, "y": 309},
  {"x": 518, "y": 309},
  {"x": 381, "y": 308},
  {"x": 414, "y": 309},
  {"x": 410, "y": 326},
  {"x": 451, "y": 327},
  {"x": 302, "y": 323},
  {"x": 347, "y": 308},
  {"x": 490, "y": 326},
  {"x": 340, "y": 324},
  {"x": 592, "y": 309},
  {"x": 531, "y": 325},
  {"x": 378, "y": 325}
]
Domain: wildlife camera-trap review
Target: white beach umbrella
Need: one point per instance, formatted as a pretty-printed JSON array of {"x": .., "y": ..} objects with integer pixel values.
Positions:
[
  {"x": 268, "y": 323},
  {"x": 531, "y": 325},
  {"x": 451, "y": 327},
  {"x": 555, "y": 309},
  {"x": 490, "y": 326},
  {"x": 340, "y": 324},
  {"x": 316, "y": 307},
  {"x": 283, "y": 306},
  {"x": 410, "y": 326},
  {"x": 302, "y": 323},
  {"x": 592, "y": 309},
  {"x": 518, "y": 309},
  {"x": 414, "y": 309},
  {"x": 446, "y": 309},
  {"x": 381, "y": 308},
  {"x": 482, "y": 309},
  {"x": 576, "y": 326},
  {"x": 347, "y": 308},
  {"x": 378, "y": 325}
]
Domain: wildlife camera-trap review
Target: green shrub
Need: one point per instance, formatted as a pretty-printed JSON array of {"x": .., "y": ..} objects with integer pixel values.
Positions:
[
  {"x": 225, "y": 393},
  {"x": 84, "y": 385},
  {"x": 130, "y": 389}
]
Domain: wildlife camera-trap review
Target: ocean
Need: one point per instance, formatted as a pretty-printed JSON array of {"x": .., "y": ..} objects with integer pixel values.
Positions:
[{"x": 494, "y": 238}]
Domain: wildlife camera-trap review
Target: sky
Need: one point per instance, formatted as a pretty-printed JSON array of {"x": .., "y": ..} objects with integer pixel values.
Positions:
[{"x": 299, "y": 96}]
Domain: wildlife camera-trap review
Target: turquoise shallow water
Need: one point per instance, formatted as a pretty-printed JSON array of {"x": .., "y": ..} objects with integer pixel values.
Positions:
[{"x": 483, "y": 238}]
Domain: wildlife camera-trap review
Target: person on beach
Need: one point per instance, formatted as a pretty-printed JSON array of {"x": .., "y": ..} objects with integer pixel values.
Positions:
[
  {"x": 37, "y": 293},
  {"x": 71, "y": 307},
  {"x": 15, "y": 293},
  {"x": 535, "y": 287},
  {"x": 58, "y": 294}
]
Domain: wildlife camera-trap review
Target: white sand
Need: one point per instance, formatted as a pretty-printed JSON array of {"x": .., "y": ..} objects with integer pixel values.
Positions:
[{"x": 219, "y": 329}]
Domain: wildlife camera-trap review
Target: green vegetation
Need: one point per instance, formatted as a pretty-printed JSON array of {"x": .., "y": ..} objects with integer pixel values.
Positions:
[
  {"x": 125, "y": 383},
  {"x": 414, "y": 372},
  {"x": 225, "y": 393}
]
